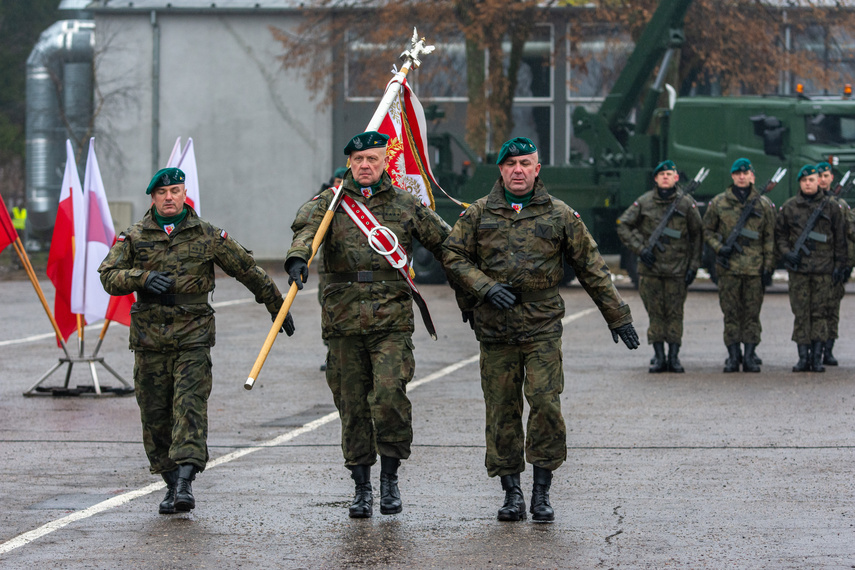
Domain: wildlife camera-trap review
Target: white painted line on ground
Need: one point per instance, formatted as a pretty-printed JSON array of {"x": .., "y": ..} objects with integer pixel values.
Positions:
[{"x": 28, "y": 537}]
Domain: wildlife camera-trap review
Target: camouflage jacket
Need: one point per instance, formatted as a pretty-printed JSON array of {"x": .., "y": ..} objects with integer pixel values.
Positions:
[
  {"x": 758, "y": 235},
  {"x": 683, "y": 236},
  {"x": 352, "y": 308},
  {"x": 849, "y": 219},
  {"x": 188, "y": 256},
  {"x": 491, "y": 244},
  {"x": 827, "y": 240}
]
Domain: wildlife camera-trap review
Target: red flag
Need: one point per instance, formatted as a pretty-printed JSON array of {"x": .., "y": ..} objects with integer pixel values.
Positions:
[
  {"x": 60, "y": 266},
  {"x": 8, "y": 235}
]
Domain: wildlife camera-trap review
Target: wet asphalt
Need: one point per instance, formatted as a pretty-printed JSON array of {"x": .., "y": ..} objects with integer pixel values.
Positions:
[{"x": 694, "y": 470}]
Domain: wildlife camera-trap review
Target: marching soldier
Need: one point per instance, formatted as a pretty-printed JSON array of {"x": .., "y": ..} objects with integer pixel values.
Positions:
[
  {"x": 742, "y": 283},
  {"x": 664, "y": 276},
  {"x": 507, "y": 251},
  {"x": 838, "y": 290},
  {"x": 367, "y": 315},
  {"x": 810, "y": 234},
  {"x": 168, "y": 259}
]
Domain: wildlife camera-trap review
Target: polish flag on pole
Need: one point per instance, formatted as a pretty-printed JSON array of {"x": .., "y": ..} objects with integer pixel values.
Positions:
[
  {"x": 69, "y": 224},
  {"x": 88, "y": 297},
  {"x": 175, "y": 155},
  {"x": 8, "y": 234},
  {"x": 187, "y": 164}
]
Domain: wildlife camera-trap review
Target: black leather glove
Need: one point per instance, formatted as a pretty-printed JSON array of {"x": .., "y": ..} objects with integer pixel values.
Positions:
[
  {"x": 690, "y": 276},
  {"x": 647, "y": 257},
  {"x": 158, "y": 283},
  {"x": 725, "y": 251},
  {"x": 838, "y": 275},
  {"x": 627, "y": 334},
  {"x": 500, "y": 296},
  {"x": 287, "y": 326},
  {"x": 766, "y": 278},
  {"x": 298, "y": 271},
  {"x": 469, "y": 317},
  {"x": 792, "y": 259},
  {"x": 847, "y": 273}
]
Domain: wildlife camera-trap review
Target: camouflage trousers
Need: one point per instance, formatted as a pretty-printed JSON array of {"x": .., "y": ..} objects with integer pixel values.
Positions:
[
  {"x": 810, "y": 301},
  {"x": 172, "y": 390},
  {"x": 368, "y": 377},
  {"x": 740, "y": 298},
  {"x": 663, "y": 299},
  {"x": 837, "y": 293},
  {"x": 507, "y": 372}
]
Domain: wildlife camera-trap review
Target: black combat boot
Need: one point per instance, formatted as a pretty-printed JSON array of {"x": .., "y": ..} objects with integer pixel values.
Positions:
[
  {"x": 184, "y": 500},
  {"x": 803, "y": 365},
  {"x": 363, "y": 500},
  {"x": 816, "y": 356},
  {"x": 733, "y": 358},
  {"x": 673, "y": 358},
  {"x": 749, "y": 360},
  {"x": 828, "y": 358},
  {"x": 541, "y": 510},
  {"x": 659, "y": 362},
  {"x": 390, "y": 497},
  {"x": 514, "y": 507},
  {"x": 167, "y": 505}
]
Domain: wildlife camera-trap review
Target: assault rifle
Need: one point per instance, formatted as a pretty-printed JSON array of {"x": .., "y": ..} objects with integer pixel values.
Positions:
[
  {"x": 654, "y": 241},
  {"x": 799, "y": 247},
  {"x": 747, "y": 212}
]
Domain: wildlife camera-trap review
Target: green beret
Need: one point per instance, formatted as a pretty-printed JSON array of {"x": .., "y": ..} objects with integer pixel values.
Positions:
[
  {"x": 741, "y": 165},
  {"x": 340, "y": 173},
  {"x": 807, "y": 170},
  {"x": 518, "y": 146},
  {"x": 165, "y": 177},
  {"x": 822, "y": 167},
  {"x": 664, "y": 165},
  {"x": 364, "y": 141}
]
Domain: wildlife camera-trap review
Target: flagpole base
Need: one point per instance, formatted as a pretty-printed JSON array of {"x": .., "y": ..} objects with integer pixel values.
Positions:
[{"x": 96, "y": 389}]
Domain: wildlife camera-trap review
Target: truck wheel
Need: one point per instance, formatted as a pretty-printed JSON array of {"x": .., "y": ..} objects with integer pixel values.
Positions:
[{"x": 427, "y": 269}]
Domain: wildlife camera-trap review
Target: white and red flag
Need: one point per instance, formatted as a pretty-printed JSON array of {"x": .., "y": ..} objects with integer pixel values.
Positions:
[
  {"x": 8, "y": 234},
  {"x": 187, "y": 164},
  {"x": 88, "y": 297},
  {"x": 69, "y": 224},
  {"x": 175, "y": 155}
]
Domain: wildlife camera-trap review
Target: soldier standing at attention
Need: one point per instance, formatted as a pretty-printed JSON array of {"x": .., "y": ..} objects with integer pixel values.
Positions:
[
  {"x": 507, "y": 250},
  {"x": 742, "y": 284},
  {"x": 367, "y": 317},
  {"x": 168, "y": 259},
  {"x": 664, "y": 276},
  {"x": 812, "y": 275},
  {"x": 838, "y": 290}
]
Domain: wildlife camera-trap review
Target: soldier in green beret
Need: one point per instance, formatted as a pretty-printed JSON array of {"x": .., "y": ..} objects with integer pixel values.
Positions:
[
  {"x": 367, "y": 318},
  {"x": 168, "y": 260},
  {"x": 507, "y": 251},
  {"x": 664, "y": 276},
  {"x": 742, "y": 284},
  {"x": 813, "y": 268}
]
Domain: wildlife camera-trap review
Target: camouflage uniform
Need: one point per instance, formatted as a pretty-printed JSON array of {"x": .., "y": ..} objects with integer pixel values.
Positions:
[
  {"x": 740, "y": 286},
  {"x": 521, "y": 346},
  {"x": 368, "y": 318},
  {"x": 304, "y": 212},
  {"x": 839, "y": 290},
  {"x": 810, "y": 285},
  {"x": 663, "y": 286},
  {"x": 172, "y": 342}
]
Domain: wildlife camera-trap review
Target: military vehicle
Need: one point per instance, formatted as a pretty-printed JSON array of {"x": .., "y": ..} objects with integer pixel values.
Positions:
[{"x": 629, "y": 134}]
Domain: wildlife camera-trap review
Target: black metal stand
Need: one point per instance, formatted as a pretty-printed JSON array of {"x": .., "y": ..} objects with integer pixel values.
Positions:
[{"x": 96, "y": 389}]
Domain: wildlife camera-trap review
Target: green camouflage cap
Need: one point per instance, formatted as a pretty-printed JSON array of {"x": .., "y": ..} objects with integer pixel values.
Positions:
[
  {"x": 517, "y": 146},
  {"x": 822, "y": 167},
  {"x": 664, "y": 165},
  {"x": 365, "y": 141},
  {"x": 165, "y": 177},
  {"x": 741, "y": 165},
  {"x": 807, "y": 170}
]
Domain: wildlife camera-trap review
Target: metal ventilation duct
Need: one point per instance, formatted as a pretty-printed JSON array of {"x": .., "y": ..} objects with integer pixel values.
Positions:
[{"x": 59, "y": 84}]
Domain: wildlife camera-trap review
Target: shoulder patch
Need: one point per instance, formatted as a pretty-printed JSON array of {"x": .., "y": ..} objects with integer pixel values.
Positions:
[
  {"x": 316, "y": 197},
  {"x": 224, "y": 234},
  {"x": 635, "y": 203},
  {"x": 121, "y": 237},
  {"x": 575, "y": 213}
]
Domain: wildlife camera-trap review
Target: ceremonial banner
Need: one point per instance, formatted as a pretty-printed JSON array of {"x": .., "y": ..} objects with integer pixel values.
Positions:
[
  {"x": 191, "y": 181},
  {"x": 60, "y": 266},
  {"x": 88, "y": 297},
  {"x": 175, "y": 155},
  {"x": 8, "y": 235}
]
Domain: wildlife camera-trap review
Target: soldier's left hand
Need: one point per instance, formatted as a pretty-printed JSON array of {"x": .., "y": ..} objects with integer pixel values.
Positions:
[
  {"x": 847, "y": 273},
  {"x": 690, "y": 276},
  {"x": 838, "y": 275},
  {"x": 627, "y": 334},
  {"x": 287, "y": 326}
]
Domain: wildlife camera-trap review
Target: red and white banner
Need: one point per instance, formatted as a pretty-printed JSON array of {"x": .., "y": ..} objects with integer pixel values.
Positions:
[
  {"x": 8, "y": 234},
  {"x": 175, "y": 155},
  {"x": 186, "y": 161}
]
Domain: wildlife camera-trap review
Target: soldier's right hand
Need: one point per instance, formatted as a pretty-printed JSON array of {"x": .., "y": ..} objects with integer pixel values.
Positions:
[
  {"x": 298, "y": 271},
  {"x": 725, "y": 251},
  {"x": 792, "y": 259},
  {"x": 500, "y": 296},
  {"x": 158, "y": 283},
  {"x": 469, "y": 317},
  {"x": 647, "y": 257}
]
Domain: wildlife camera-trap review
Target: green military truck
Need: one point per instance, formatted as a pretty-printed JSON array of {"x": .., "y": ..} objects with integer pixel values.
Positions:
[{"x": 630, "y": 133}]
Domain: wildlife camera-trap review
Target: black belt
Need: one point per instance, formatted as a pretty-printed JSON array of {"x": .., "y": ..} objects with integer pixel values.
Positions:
[
  {"x": 534, "y": 296},
  {"x": 172, "y": 299},
  {"x": 365, "y": 276}
]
